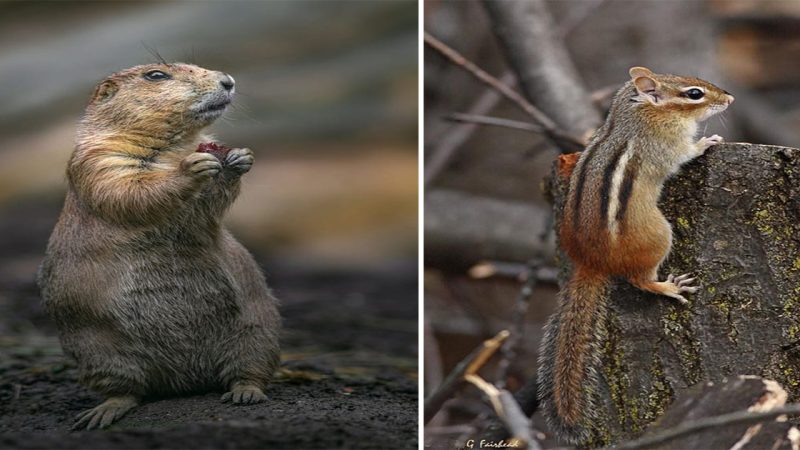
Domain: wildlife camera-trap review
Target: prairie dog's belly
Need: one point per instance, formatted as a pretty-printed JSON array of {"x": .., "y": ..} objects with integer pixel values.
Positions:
[
  {"x": 176, "y": 308},
  {"x": 169, "y": 300}
]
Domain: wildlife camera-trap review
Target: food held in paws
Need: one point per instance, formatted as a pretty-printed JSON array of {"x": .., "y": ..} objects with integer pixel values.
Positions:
[{"x": 218, "y": 150}]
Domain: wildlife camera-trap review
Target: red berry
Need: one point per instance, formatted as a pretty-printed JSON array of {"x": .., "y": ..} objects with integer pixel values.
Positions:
[{"x": 218, "y": 150}]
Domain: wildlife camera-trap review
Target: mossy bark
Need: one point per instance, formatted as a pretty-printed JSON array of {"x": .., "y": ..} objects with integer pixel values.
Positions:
[{"x": 735, "y": 215}]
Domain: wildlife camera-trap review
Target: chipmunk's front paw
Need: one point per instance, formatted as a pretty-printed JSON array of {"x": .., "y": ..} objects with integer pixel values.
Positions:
[
  {"x": 706, "y": 142},
  {"x": 104, "y": 414},
  {"x": 244, "y": 394},
  {"x": 201, "y": 166},
  {"x": 239, "y": 160},
  {"x": 683, "y": 284}
]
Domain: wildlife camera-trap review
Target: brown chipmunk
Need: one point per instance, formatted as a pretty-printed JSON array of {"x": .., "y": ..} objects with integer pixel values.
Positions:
[
  {"x": 612, "y": 227},
  {"x": 150, "y": 293}
]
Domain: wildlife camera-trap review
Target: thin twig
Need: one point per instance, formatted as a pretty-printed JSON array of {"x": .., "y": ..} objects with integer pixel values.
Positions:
[
  {"x": 508, "y": 411},
  {"x": 434, "y": 374},
  {"x": 468, "y": 366},
  {"x": 509, "y": 350},
  {"x": 743, "y": 417},
  {"x": 551, "y": 129},
  {"x": 514, "y": 270},
  {"x": 447, "y": 145},
  {"x": 494, "y": 121},
  {"x": 576, "y": 16},
  {"x": 492, "y": 393},
  {"x": 604, "y": 94}
]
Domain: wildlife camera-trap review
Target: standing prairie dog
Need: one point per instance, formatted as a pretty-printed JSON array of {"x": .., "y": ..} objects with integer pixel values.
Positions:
[
  {"x": 612, "y": 227},
  {"x": 150, "y": 293}
]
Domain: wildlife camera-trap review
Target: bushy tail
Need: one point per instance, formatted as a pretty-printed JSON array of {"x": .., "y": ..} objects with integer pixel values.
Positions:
[{"x": 569, "y": 357}]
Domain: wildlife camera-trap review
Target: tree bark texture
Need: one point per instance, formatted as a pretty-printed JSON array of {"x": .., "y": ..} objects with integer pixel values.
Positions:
[
  {"x": 735, "y": 215},
  {"x": 713, "y": 399}
]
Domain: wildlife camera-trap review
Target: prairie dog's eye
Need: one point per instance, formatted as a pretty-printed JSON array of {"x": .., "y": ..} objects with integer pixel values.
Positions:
[
  {"x": 694, "y": 94},
  {"x": 156, "y": 75}
]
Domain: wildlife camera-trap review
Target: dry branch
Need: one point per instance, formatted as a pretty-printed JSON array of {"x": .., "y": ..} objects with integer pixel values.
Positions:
[
  {"x": 508, "y": 411},
  {"x": 543, "y": 66},
  {"x": 561, "y": 138},
  {"x": 517, "y": 271},
  {"x": 447, "y": 145},
  {"x": 509, "y": 350},
  {"x": 468, "y": 366},
  {"x": 462, "y": 230},
  {"x": 494, "y": 121},
  {"x": 737, "y": 418}
]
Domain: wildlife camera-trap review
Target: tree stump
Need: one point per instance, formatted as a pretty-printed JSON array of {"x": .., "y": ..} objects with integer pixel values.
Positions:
[
  {"x": 712, "y": 399},
  {"x": 735, "y": 215}
]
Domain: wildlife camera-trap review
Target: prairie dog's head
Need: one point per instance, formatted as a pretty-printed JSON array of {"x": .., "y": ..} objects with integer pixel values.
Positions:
[
  {"x": 165, "y": 101},
  {"x": 685, "y": 97}
]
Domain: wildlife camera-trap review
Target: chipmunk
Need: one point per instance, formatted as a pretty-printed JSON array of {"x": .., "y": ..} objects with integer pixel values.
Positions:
[
  {"x": 612, "y": 227},
  {"x": 150, "y": 293}
]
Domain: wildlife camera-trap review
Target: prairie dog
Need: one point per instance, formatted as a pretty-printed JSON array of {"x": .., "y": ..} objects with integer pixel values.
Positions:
[{"x": 150, "y": 293}]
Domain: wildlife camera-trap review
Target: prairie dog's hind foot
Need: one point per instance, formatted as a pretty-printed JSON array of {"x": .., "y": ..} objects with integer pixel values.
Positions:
[
  {"x": 244, "y": 394},
  {"x": 106, "y": 413}
]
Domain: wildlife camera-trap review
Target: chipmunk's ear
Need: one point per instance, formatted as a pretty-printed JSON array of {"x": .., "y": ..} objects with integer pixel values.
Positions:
[
  {"x": 647, "y": 87},
  {"x": 105, "y": 91},
  {"x": 637, "y": 72}
]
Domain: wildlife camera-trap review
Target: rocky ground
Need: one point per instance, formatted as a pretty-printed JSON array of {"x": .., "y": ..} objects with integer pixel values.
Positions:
[{"x": 348, "y": 379}]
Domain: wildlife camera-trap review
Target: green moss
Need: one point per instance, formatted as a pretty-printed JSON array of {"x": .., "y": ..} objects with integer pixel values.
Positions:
[
  {"x": 661, "y": 393},
  {"x": 676, "y": 326},
  {"x": 615, "y": 371},
  {"x": 682, "y": 222}
]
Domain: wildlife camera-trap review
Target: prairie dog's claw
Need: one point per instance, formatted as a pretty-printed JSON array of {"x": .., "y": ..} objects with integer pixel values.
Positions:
[
  {"x": 201, "y": 165},
  {"x": 104, "y": 414},
  {"x": 244, "y": 395},
  {"x": 240, "y": 159}
]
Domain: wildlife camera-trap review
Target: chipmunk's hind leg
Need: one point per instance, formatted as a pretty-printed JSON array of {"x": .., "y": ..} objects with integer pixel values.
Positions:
[{"x": 672, "y": 287}]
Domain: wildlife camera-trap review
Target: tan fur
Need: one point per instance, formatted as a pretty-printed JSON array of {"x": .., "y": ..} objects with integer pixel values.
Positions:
[
  {"x": 612, "y": 226},
  {"x": 151, "y": 295}
]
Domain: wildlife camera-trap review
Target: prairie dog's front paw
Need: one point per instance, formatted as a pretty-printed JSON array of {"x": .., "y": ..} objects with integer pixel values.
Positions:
[
  {"x": 201, "y": 166},
  {"x": 239, "y": 160},
  {"x": 706, "y": 142}
]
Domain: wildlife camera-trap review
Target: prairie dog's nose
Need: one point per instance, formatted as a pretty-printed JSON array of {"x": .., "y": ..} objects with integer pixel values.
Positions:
[{"x": 227, "y": 82}]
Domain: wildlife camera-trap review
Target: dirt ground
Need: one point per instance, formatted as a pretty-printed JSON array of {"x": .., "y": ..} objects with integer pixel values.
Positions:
[{"x": 348, "y": 379}]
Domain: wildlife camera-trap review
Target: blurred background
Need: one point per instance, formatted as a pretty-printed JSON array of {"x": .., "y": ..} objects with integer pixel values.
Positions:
[
  {"x": 327, "y": 98},
  {"x": 327, "y": 101},
  {"x": 485, "y": 209}
]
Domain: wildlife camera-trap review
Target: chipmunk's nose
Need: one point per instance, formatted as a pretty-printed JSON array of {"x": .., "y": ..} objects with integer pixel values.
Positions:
[
  {"x": 227, "y": 82},
  {"x": 730, "y": 97}
]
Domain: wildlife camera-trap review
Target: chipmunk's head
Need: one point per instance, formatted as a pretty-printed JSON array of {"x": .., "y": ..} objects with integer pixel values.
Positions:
[
  {"x": 685, "y": 97},
  {"x": 164, "y": 101}
]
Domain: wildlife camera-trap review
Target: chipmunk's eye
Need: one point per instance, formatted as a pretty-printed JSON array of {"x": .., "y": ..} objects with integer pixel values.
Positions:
[
  {"x": 694, "y": 94},
  {"x": 156, "y": 75}
]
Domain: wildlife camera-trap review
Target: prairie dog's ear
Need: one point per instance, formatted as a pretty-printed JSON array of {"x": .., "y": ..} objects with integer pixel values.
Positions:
[
  {"x": 647, "y": 88},
  {"x": 636, "y": 72},
  {"x": 105, "y": 91}
]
